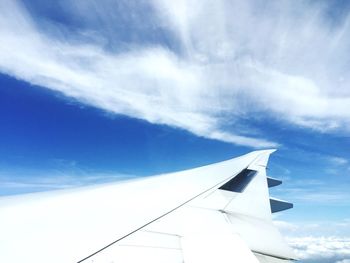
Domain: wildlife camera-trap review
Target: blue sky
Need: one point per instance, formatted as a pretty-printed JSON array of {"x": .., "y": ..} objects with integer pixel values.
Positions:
[{"x": 96, "y": 91}]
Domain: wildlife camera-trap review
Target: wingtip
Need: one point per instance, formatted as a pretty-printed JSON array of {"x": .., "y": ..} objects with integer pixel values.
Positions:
[
  {"x": 271, "y": 150},
  {"x": 267, "y": 151}
]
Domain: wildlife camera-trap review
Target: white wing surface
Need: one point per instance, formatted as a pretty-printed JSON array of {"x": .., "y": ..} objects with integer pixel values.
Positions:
[{"x": 216, "y": 213}]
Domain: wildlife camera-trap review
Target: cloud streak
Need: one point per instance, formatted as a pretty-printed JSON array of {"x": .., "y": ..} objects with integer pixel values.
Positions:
[
  {"x": 227, "y": 61},
  {"x": 316, "y": 194},
  {"x": 338, "y": 161},
  {"x": 52, "y": 180}
]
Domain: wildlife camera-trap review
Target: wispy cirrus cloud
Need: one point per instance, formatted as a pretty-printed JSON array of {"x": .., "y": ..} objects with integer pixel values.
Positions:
[
  {"x": 63, "y": 174},
  {"x": 338, "y": 160},
  {"x": 339, "y": 166},
  {"x": 193, "y": 65},
  {"x": 317, "y": 228},
  {"x": 316, "y": 193}
]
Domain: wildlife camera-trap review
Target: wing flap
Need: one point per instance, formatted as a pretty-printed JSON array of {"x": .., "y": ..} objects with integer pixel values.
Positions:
[
  {"x": 278, "y": 205},
  {"x": 272, "y": 182},
  {"x": 268, "y": 259}
]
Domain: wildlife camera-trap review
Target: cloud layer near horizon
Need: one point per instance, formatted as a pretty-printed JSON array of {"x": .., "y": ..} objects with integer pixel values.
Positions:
[
  {"x": 226, "y": 61},
  {"x": 321, "y": 249},
  {"x": 318, "y": 242}
]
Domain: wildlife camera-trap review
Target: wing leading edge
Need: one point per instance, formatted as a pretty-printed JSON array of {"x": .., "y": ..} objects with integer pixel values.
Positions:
[{"x": 166, "y": 218}]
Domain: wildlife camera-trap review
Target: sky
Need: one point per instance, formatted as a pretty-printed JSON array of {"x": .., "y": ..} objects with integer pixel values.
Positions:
[{"x": 97, "y": 91}]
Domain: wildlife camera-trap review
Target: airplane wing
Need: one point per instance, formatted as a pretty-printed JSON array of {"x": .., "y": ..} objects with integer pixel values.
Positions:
[{"x": 215, "y": 213}]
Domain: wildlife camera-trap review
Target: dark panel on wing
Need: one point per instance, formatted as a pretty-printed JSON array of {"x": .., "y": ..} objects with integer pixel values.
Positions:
[
  {"x": 239, "y": 182},
  {"x": 273, "y": 182},
  {"x": 279, "y": 205}
]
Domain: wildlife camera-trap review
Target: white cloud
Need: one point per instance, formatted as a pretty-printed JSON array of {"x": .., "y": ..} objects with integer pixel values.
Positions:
[
  {"x": 235, "y": 58},
  {"x": 321, "y": 249},
  {"x": 279, "y": 52},
  {"x": 327, "y": 241}
]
